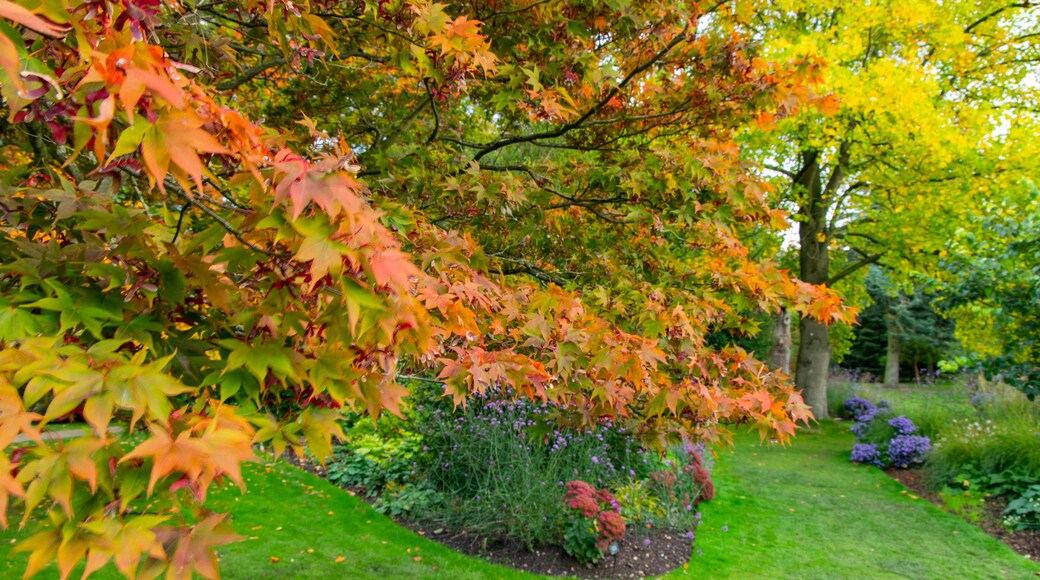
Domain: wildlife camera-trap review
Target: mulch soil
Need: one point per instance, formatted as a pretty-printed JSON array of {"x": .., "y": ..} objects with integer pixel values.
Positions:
[
  {"x": 1025, "y": 542},
  {"x": 640, "y": 555},
  {"x": 643, "y": 552}
]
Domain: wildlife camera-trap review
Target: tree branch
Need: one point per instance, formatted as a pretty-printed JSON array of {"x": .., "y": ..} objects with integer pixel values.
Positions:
[
  {"x": 866, "y": 261},
  {"x": 436, "y": 116},
  {"x": 505, "y": 142},
  {"x": 997, "y": 12},
  {"x": 249, "y": 74}
]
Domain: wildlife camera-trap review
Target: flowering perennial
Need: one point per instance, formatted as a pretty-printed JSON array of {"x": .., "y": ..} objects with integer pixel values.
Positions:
[
  {"x": 907, "y": 450},
  {"x": 595, "y": 522},
  {"x": 882, "y": 439}
]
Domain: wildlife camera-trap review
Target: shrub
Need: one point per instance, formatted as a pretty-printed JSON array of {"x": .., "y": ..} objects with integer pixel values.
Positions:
[
  {"x": 374, "y": 457},
  {"x": 883, "y": 439},
  {"x": 639, "y": 504},
  {"x": 1002, "y": 458},
  {"x": 861, "y": 410},
  {"x": 496, "y": 478},
  {"x": 866, "y": 453},
  {"x": 496, "y": 468},
  {"x": 407, "y": 499},
  {"x": 907, "y": 450},
  {"x": 902, "y": 425}
]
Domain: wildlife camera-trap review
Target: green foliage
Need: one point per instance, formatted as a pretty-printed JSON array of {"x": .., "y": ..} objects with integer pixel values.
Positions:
[
  {"x": 985, "y": 453},
  {"x": 963, "y": 502},
  {"x": 639, "y": 504},
  {"x": 579, "y": 540},
  {"x": 925, "y": 337},
  {"x": 407, "y": 499},
  {"x": 991, "y": 280},
  {"x": 1023, "y": 513},
  {"x": 375, "y": 456}
]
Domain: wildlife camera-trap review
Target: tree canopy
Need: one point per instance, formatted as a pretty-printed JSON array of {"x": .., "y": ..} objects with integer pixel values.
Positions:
[
  {"x": 540, "y": 197},
  {"x": 934, "y": 118}
]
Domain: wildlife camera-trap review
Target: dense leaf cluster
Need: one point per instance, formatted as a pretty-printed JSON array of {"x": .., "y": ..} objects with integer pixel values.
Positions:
[{"x": 551, "y": 202}]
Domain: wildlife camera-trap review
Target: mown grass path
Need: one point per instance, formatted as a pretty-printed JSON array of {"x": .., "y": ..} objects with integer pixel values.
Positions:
[
  {"x": 789, "y": 512},
  {"x": 804, "y": 511}
]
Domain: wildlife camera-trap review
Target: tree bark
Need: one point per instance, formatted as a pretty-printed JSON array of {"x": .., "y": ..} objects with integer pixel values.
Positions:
[
  {"x": 780, "y": 351},
  {"x": 814, "y": 352},
  {"x": 894, "y": 350}
]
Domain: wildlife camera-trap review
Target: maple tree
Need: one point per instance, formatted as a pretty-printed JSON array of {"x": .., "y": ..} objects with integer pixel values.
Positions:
[
  {"x": 552, "y": 203},
  {"x": 932, "y": 118}
]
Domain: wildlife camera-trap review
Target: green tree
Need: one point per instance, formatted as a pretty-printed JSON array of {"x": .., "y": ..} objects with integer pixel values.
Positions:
[
  {"x": 991, "y": 283},
  {"x": 933, "y": 117},
  {"x": 899, "y": 330}
]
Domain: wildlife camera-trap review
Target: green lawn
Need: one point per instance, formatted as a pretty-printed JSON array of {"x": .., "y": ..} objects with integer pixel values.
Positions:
[
  {"x": 307, "y": 524},
  {"x": 797, "y": 512},
  {"x": 804, "y": 511}
]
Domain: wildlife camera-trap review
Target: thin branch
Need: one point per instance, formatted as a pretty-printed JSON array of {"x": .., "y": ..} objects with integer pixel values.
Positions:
[
  {"x": 487, "y": 17},
  {"x": 779, "y": 169},
  {"x": 250, "y": 73},
  {"x": 180, "y": 220},
  {"x": 854, "y": 268},
  {"x": 997, "y": 12},
  {"x": 436, "y": 116},
  {"x": 172, "y": 184},
  {"x": 496, "y": 145}
]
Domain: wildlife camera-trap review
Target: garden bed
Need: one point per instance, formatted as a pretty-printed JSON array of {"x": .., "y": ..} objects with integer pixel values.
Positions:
[
  {"x": 643, "y": 553},
  {"x": 1025, "y": 542}
]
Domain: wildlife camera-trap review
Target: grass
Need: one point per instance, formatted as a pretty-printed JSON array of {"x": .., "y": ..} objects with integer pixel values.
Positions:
[
  {"x": 804, "y": 511},
  {"x": 306, "y": 523},
  {"x": 931, "y": 407},
  {"x": 791, "y": 512}
]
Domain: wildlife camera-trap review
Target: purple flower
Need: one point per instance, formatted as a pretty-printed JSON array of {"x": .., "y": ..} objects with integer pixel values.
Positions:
[
  {"x": 907, "y": 450},
  {"x": 646, "y": 542},
  {"x": 689, "y": 535},
  {"x": 595, "y": 459},
  {"x": 903, "y": 425},
  {"x": 858, "y": 429},
  {"x": 725, "y": 528},
  {"x": 861, "y": 410},
  {"x": 866, "y": 453}
]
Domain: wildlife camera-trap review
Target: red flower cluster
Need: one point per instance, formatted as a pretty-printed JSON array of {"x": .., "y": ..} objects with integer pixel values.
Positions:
[
  {"x": 611, "y": 525},
  {"x": 703, "y": 479},
  {"x": 582, "y": 497},
  {"x": 598, "y": 504}
]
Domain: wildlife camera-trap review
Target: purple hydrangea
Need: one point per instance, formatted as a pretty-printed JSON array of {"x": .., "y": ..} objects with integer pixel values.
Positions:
[
  {"x": 902, "y": 425},
  {"x": 866, "y": 453},
  {"x": 861, "y": 410},
  {"x": 907, "y": 450}
]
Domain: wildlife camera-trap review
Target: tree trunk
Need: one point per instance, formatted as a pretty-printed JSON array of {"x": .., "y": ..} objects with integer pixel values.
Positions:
[
  {"x": 780, "y": 351},
  {"x": 814, "y": 351},
  {"x": 894, "y": 350}
]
